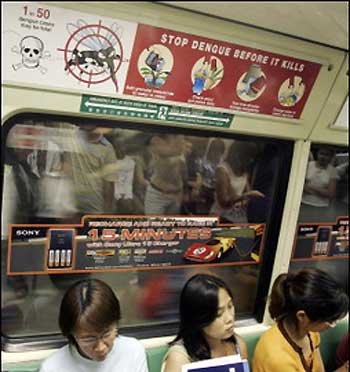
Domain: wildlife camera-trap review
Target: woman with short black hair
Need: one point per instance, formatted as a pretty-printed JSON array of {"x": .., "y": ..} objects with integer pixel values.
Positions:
[
  {"x": 303, "y": 304},
  {"x": 206, "y": 324},
  {"x": 89, "y": 317}
]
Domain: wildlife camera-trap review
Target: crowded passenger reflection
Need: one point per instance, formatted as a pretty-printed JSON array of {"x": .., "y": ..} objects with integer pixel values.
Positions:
[{"x": 74, "y": 170}]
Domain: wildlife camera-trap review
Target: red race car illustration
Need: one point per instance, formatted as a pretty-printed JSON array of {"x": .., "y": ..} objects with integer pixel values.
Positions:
[{"x": 209, "y": 251}]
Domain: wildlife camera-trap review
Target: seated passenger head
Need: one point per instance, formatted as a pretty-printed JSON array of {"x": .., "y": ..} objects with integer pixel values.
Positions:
[
  {"x": 311, "y": 299},
  {"x": 89, "y": 316},
  {"x": 206, "y": 313}
]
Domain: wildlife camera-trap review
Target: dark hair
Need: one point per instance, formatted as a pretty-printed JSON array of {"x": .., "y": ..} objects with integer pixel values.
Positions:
[
  {"x": 216, "y": 146},
  {"x": 240, "y": 156},
  {"x": 311, "y": 290},
  {"x": 88, "y": 303},
  {"x": 329, "y": 149},
  {"x": 198, "y": 308}
]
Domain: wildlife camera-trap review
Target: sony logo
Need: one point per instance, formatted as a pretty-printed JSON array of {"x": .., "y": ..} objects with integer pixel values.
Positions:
[{"x": 27, "y": 232}]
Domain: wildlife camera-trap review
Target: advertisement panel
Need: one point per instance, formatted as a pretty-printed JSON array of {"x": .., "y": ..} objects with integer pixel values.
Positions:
[
  {"x": 112, "y": 243},
  {"x": 322, "y": 241}
]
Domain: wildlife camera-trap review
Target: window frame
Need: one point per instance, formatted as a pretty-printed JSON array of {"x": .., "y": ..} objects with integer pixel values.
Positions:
[{"x": 286, "y": 149}]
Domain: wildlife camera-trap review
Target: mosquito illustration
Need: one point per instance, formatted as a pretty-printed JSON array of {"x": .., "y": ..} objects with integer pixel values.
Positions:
[{"x": 97, "y": 50}]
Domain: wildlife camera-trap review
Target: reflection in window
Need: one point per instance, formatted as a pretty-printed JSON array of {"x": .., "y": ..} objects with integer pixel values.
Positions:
[
  {"x": 324, "y": 210},
  {"x": 325, "y": 194},
  {"x": 55, "y": 172},
  {"x": 59, "y": 172}
]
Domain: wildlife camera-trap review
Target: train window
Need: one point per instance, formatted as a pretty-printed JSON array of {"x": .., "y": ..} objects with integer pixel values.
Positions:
[
  {"x": 57, "y": 170},
  {"x": 322, "y": 237},
  {"x": 325, "y": 195}
]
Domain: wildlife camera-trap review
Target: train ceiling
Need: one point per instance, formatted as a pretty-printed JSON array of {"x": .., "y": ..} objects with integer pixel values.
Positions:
[{"x": 322, "y": 22}]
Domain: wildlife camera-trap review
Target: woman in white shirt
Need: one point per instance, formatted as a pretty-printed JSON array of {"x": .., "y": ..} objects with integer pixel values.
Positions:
[
  {"x": 320, "y": 187},
  {"x": 321, "y": 179},
  {"x": 89, "y": 316}
]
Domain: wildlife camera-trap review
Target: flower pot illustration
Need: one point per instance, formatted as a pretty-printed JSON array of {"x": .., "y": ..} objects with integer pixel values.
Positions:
[{"x": 155, "y": 64}]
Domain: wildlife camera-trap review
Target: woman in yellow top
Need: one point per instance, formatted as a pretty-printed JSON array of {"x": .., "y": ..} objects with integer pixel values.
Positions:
[{"x": 303, "y": 304}]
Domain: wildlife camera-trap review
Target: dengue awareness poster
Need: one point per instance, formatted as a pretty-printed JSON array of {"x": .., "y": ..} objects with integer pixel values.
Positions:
[
  {"x": 59, "y": 48},
  {"x": 212, "y": 73}
]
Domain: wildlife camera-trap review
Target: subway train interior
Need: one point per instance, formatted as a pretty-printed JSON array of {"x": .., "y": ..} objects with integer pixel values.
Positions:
[{"x": 116, "y": 117}]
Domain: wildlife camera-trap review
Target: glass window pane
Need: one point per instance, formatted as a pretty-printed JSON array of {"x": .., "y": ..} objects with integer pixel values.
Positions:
[
  {"x": 57, "y": 170},
  {"x": 325, "y": 195},
  {"x": 322, "y": 237}
]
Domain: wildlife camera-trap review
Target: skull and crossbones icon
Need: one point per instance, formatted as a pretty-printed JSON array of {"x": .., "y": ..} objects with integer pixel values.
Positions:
[{"x": 32, "y": 51}]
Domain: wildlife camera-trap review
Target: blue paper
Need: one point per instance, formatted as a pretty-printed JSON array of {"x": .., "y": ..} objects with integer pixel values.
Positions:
[{"x": 242, "y": 366}]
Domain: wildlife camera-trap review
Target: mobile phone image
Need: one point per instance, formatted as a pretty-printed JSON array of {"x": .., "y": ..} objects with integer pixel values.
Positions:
[
  {"x": 321, "y": 244},
  {"x": 60, "y": 248}
]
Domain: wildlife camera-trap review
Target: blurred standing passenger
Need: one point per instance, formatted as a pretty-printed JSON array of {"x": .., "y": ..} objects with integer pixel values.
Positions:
[
  {"x": 207, "y": 166},
  {"x": 55, "y": 201},
  {"x": 265, "y": 170},
  {"x": 303, "y": 304},
  {"x": 165, "y": 191},
  {"x": 343, "y": 185},
  {"x": 89, "y": 317},
  {"x": 91, "y": 164},
  {"x": 20, "y": 187},
  {"x": 232, "y": 189},
  {"x": 125, "y": 179},
  {"x": 19, "y": 193},
  {"x": 320, "y": 186},
  {"x": 143, "y": 172}
]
